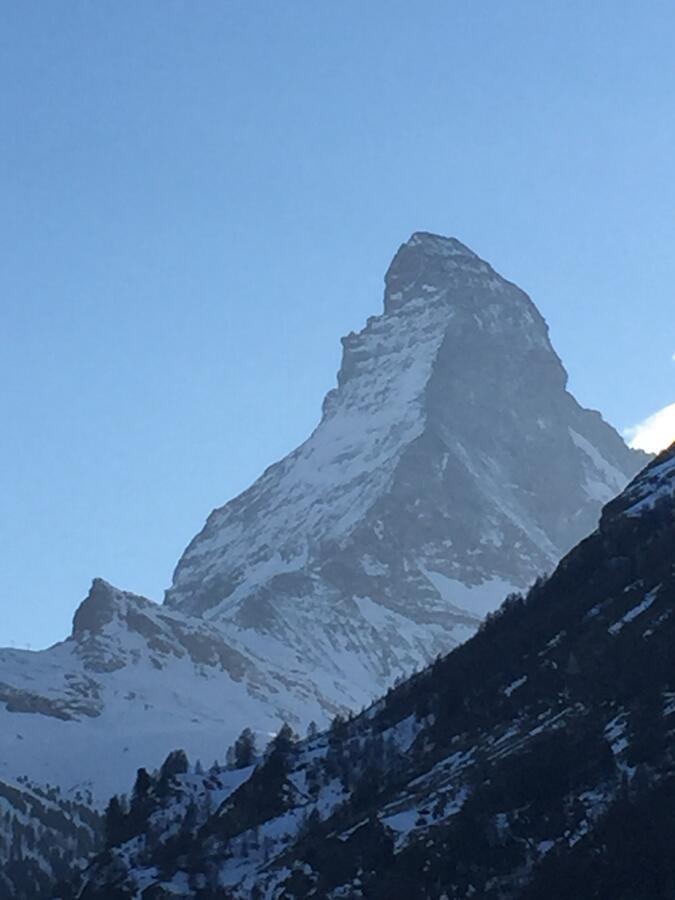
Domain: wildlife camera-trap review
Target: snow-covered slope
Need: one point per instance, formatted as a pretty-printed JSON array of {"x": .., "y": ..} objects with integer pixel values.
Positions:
[
  {"x": 133, "y": 681},
  {"x": 450, "y": 467},
  {"x": 537, "y": 760}
]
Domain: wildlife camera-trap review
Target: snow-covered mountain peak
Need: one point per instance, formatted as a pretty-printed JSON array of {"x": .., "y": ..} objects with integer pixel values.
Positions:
[
  {"x": 449, "y": 459},
  {"x": 448, "y": 250},
  {"x": 430, "y": 270},
  {"x": 427, "y": 264}
]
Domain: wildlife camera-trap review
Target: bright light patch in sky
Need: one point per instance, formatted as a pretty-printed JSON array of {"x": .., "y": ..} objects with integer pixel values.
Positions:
[{"x": 655, "y": 432}]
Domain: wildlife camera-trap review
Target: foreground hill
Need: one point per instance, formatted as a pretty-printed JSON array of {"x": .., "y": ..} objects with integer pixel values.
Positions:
[{"x": 536, "y": 760}]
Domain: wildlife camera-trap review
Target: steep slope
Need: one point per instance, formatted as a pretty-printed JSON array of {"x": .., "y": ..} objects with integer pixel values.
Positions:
[
  {"x": 450, "y": 466},
  {"x": 509, "y": 769},
  {"x": 43, "y": 837}
]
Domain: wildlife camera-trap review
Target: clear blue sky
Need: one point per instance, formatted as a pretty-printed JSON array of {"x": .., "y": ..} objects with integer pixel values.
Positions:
[{"x": 199, "y": 199}]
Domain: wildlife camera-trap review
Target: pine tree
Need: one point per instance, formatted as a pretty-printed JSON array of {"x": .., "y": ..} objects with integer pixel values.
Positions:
[
  {"x": 114, "y": 822},
  {"x": 141, "y": 803},
  {"x": 175, "y": 764},
  {"x": 284, "y": 739},
  {"x": 244, "y": 749},
  {"x": 312, "y": 730}
]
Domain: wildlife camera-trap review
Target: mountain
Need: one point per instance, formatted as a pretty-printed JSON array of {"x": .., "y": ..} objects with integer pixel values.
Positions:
[
  {"x": 450, "y": 467},
  {"x": 133, "y": 679},
  {"x": 43, "y": 835},
  {"x": 536, "y": 760}
]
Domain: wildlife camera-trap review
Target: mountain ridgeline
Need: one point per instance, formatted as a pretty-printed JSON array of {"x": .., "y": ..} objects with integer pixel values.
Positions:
[{"x": 536, "y": 760}]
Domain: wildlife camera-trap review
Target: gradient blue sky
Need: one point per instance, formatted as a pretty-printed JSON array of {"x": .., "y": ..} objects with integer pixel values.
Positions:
[{"x": 199, "y": 199}]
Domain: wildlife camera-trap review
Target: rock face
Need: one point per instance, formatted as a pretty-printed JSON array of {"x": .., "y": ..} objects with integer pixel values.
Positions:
[
  {"x": 450, "y": 466},
  {"x": 536, "y": 760}
]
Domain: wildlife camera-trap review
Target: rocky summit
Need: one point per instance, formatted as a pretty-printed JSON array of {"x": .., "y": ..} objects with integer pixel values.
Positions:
[{"x": 451, "y": 466}]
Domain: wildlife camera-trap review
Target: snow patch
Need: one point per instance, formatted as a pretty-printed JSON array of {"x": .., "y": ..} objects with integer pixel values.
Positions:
[
  {"x": 478, "y": 599},
  {"x": 634, "y": 612}
]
